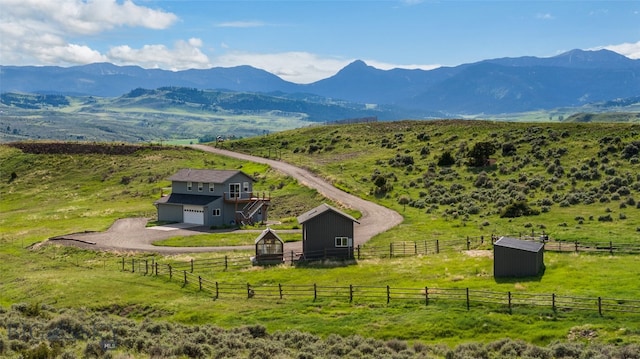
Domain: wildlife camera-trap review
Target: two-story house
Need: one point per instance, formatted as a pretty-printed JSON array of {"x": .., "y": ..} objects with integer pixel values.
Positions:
[{"x": 212, "y": 198}]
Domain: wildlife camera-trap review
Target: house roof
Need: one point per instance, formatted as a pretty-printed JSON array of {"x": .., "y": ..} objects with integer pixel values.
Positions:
[
  {"x": 205, "y": 176},
  {"x": 514, "y": 243},
  {"x": 193, "y": 199},
  {"x": 268, "y": 232},
  {"x": 323, "y": 208}
]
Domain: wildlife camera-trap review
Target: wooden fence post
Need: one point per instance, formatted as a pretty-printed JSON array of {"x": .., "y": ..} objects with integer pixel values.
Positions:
[
  {"x": 553, "y": 301},
  {"x": 391, "y": 250},
  {"x": 185, "y": 278},
  {"x": 437, "y": 246},
  {"x": 133, "y": 265},
  {"x": 315, "y": 292},
  {"x": 600, "y": 306},
  {"x": 509, "y": 299},
  {"x": 415, "y": 248},
  {"x": 468, "y": 304},
  {"x": 280, "y": 289},
  {"x": 170, "y": 271},
  {"x": 358, "y": 247},
  {"x": 426, "y": 296},
  {"x": 350, "y": 293},
  {"x": 468, "y": 243},
  {"x": 226, "y": 262},
  {"x": 191, "y": 265},
  {"x": 146, "y": 267},
  {"x": 388, "y": 294},
  {"x": 200, "y": 282},
  {"x": 576, "y": 244}
]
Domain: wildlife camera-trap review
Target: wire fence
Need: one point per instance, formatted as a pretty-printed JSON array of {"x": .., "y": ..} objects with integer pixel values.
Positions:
[
  {"x": 363, "y": 252},
  {"x": 360, "y": 294},
  {"x": 183, "y": 271}
]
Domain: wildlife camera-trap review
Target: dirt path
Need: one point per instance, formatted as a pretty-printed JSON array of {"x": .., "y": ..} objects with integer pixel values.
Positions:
[{"x": 131, "y": 235}]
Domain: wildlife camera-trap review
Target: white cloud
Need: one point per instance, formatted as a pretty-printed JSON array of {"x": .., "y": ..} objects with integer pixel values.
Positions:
[
  {"x": 544, "y": 16},
  {"x": 184, "y": 55},
  {"x": 38, "y": 31},
  {"x": 85, "y": 17},
  {"x": 628, "y": 49},
  {"x": 300, "y": 67},
  {"x": 388, "y": 66}
]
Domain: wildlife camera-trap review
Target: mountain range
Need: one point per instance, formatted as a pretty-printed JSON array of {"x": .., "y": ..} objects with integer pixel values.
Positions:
[{"x": 504, "y": 85}]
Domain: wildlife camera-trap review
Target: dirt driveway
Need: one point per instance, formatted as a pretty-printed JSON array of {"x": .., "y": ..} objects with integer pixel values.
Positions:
[{"x": 130, "y": 234}]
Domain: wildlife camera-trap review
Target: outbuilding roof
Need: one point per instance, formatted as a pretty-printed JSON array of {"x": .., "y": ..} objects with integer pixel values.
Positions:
[
  {"x": 515, "y": 243},
  {"x": 323, "y": 208},
  {"x": 269, "y": 233},
  {"x": 205, "y": 176},
  {"x": 193, "y": 199}
]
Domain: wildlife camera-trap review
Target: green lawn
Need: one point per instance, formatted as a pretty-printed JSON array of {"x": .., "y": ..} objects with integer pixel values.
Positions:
[{"x": 243, "y": 238}]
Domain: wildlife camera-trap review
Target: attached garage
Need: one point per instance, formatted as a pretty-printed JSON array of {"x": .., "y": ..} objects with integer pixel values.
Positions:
[{"x": 193, "y": 214}]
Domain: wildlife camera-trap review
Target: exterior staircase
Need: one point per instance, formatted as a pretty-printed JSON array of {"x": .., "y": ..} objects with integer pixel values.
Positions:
[{"x": 245, "y": 216}]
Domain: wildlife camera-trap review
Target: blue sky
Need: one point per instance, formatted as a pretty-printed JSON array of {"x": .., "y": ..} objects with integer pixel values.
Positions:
[{"x": 304, "y": 41}]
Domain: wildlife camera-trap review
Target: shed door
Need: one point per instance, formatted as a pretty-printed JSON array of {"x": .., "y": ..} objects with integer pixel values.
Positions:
[{"x": 193, "y": 214}]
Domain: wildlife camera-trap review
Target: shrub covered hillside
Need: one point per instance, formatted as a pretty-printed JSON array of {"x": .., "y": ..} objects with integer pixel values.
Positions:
[
  {"x": 43, "y": 332},
  {"x": 572, "y": 181}
]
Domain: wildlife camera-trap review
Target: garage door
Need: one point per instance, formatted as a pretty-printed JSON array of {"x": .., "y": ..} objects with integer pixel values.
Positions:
[{"x": 193, "y": 214}]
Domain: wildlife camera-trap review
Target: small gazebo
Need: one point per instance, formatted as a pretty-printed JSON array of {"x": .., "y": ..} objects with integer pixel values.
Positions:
[{"x": 269, "y": 248}]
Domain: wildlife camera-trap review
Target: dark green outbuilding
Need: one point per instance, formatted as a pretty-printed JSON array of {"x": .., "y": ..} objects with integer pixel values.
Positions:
[{"x": 513, "y": 257}]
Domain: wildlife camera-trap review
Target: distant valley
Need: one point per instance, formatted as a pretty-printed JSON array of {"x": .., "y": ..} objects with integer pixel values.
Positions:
[{"x": 104, "y": 102}]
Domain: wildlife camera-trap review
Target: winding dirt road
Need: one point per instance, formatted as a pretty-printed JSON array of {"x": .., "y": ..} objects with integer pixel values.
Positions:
[{"x": 131, "y": 234}]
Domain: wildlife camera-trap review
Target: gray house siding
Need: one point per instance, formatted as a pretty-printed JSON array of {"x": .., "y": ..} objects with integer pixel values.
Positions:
[
  {"x": 319, "y": 232},
  {"x": 199, "y": 196}
]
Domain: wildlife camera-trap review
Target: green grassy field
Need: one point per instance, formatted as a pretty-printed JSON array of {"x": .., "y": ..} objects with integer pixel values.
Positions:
[
  {"x": 52, "y": 195},
  {"x": 223, "y": 239}
]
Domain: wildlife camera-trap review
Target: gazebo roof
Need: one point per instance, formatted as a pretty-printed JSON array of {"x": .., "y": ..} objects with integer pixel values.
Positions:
[{"x": 268, "y": 233}]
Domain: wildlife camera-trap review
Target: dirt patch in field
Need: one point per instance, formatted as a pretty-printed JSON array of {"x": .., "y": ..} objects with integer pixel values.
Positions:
[{"x": 479, "y": 253}]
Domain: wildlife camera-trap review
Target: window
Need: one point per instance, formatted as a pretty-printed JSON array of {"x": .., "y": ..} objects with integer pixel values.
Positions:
[
  {"x": 234, "y": 190},
  {"x": 216, "y": 212},
  {"x": 210, "y": 187},
  {"x": 189, "y": 186},
  {"x": 342, "y": 241},
  {"x": 200, "y": 186},
  {"x": 245, "y": 187}
]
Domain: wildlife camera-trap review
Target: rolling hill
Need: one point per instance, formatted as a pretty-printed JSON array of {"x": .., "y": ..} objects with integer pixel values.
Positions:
[{"x": 494, "y": 86}]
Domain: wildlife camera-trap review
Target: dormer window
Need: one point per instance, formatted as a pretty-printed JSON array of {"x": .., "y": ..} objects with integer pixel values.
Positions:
[
  {"x": 200, "y": 186},
  {"x": 210, "y": 187},
  {"x": 189, "y": 186}
]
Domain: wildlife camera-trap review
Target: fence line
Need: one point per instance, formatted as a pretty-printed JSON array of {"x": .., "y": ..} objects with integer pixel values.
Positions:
[
  {"x": 386, "y": 294},
  {"x": 393, "y": 250}
]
